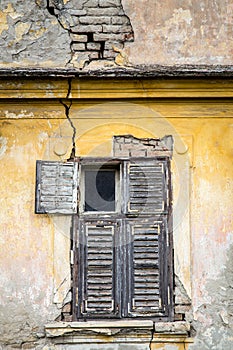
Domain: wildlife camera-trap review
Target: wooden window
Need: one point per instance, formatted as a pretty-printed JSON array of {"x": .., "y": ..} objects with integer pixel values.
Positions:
[
  {"x": 124, "y": 255},
  {"x": 121, "y": 236}
]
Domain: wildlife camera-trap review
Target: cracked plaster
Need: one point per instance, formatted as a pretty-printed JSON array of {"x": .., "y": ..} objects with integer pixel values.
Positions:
[{"x": 167, "y": 33}]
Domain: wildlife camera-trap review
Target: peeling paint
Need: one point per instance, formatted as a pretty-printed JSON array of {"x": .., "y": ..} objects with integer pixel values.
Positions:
[
  {"x": 3, "y": 146},
  {"x": 3, "y": 17},
  {"x": 22, "y": 114}
]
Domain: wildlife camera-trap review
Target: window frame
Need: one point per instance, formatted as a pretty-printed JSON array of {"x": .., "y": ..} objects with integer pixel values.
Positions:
[
  {"x": 88, "y": 164},
  {"x": 99, "y": 217}
]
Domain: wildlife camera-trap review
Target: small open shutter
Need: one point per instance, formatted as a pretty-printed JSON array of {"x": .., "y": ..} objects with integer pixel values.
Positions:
[
  {"x": 146, "y": 187},
  {"x": 56, "y": 187},
  {"x": 148, "y": 275},
  {"x": 98, "y": 255}
]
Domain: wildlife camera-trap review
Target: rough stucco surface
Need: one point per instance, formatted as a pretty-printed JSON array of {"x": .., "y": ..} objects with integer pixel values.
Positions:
[
  {"x": 169, "y": 32},
  {"x": 214, "y": 322},
  {"x": 35, "y": 270},
  {"x": 178, "y": 31},
  {"x": 30, "y": 36}
]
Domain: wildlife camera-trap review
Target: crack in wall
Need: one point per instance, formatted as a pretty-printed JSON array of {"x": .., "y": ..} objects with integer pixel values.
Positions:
[
  {"x": 67, "y": 107},
  {"x": 151, "y": 339}
]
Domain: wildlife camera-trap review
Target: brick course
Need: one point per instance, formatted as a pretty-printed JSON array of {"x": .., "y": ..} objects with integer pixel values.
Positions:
[{"x": 95, "y": 25}]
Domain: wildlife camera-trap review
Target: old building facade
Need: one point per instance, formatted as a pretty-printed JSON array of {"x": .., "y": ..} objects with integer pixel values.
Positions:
[{"x": 116, "y": 175}]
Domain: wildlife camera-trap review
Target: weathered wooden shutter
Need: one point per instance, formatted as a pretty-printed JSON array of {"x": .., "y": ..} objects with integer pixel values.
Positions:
[
  {"x": 56, "y": 187},
  {"x": 147, "y": 211},
  {"x": 146, "y": 187},
  {"x": 98, "y": 270},
  {"x": 148, "y": 277}
]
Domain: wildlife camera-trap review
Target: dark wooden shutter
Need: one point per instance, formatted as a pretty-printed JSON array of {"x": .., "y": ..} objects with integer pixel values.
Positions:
[
  {"x": 148, "y": 269},
  {"x": 146, "y": 187},
  {"x": 98, "y": 269},
  {"x": 56, "y": 187},
  {"x": 147, "y": 211}
]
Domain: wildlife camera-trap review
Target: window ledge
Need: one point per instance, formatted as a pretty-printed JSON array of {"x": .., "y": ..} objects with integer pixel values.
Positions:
[{"x": 116, "y": 331}]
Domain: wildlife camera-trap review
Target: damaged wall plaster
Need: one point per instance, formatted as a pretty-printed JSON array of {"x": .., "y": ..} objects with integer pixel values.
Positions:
[
  {"x": 46, "y": 33},
  {"x": 30, "y": 36},
  {"x": 97, "y": 28},
  {"x": 214, "y": 319}
]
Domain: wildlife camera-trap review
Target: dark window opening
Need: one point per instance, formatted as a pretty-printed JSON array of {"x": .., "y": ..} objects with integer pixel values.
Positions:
[{"x": 100, "y": 188}]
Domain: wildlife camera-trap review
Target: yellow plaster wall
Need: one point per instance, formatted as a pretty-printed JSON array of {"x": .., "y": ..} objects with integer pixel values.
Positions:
[{"x": 35, "y": 248}]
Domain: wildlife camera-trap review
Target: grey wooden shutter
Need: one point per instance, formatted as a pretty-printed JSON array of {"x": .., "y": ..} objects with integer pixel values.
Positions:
[
  {"x": 146, "y": 187},
  {"x": 56, "y": 187},
  {"x": 148, "y": 278},
  {"x": 98, "y": 270}
]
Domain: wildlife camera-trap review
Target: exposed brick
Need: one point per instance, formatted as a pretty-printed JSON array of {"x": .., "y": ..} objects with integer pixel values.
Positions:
[
  {"x": 138, "y": 153},
  {"x": 93, "y": 46},
  {"x": 93, "y": 55},
  {"x": 81, "y": 38},
  {"x": 109, "y": 54},
  {"x": 91, "y": 3},
  {"x": 78, "y": 46},
  {"x": 150, "y": 152},
  {"x": 108, "y": 11},
  {"x": 95, "y": 20},
  {"x": 109, "y": 3},
  {"x": 76, "y": 12},
  {"x": 112, "y": 29},
  {"x": 109, "y": 36},
  {"x": 86, "y": 55},
  {"x": 128, "y": 37},
  {"x": 178, "y": 317},
  {"x": 87, "y": 29},
  {"x": 70, "y": 6},
  {"x": 182, "y": 309},
  {"x": 66, "y": 308},
  {"x": 120, "y": 20},
  {"x": 68, "y": 318},
  {"x": 122, "y": 153},
  {"x": 30, "y": 345},
  {"x": 109, "y": 45}
]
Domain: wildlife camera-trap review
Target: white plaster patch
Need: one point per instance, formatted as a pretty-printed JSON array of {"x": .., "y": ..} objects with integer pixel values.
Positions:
[
  {"x": 42, "y": 137},
  {"x": 3, "y": 146},
  {"x": 22, "y": 114}
]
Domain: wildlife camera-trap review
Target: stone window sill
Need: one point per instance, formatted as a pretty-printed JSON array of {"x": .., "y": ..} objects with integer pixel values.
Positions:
[{"x": 127, "y": 331}]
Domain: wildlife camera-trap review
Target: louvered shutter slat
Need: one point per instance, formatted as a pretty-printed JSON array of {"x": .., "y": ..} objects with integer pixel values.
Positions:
[
  {"x": 98, "y": 289},
  {"x": 146, "y": 187},
  {"x": 56, "y": 187},
  {"x": 145, "y": 274}
]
